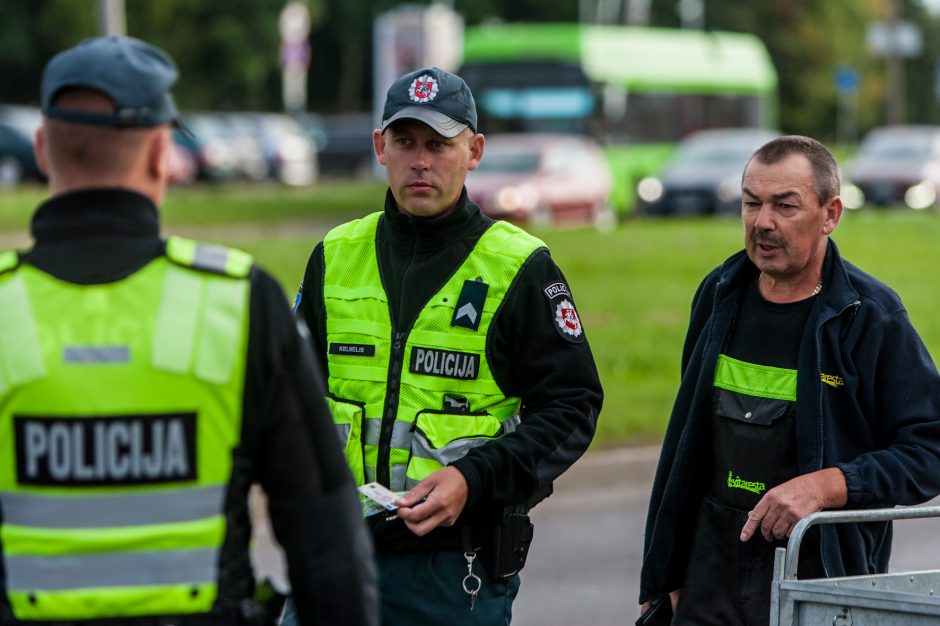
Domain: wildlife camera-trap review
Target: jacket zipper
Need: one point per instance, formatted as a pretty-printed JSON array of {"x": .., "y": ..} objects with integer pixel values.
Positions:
[
  {"x": 819, "y": 413},
  {"x": 393, "y": 385}
]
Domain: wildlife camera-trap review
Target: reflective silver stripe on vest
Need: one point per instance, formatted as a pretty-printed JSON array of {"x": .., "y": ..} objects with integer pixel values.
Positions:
[
  {"x": 401, "y": 433},
  {"x": 369, "y": 474},
  {"x": 115, "y": 511},
  {"x": 97, "y": 354},
  {"x": 343, "y": 431},
  {"x": 398, "y": 477},
  {"x": 421, "y": 447},
  {"x": 210, "y": 257},
  {"x": 163, "y": 567}
]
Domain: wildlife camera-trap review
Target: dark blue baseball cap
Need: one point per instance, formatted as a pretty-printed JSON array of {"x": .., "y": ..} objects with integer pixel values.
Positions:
[
  {"x": 439, "y": 99},
  {"x": 134, "y": 74}
]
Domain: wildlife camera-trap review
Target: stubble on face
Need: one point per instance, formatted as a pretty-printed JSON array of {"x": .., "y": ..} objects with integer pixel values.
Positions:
[
  {"x": 426, "y": 171},
  {"x": 782, "y": 217}
]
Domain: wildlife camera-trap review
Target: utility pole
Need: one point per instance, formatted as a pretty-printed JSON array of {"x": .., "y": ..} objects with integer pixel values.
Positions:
[
  {"x": 636, "y": 12},
  {"x": 691, "y": 13},
  {"x": 894, "y": 66},
  {"x": 112, "y": 19}
]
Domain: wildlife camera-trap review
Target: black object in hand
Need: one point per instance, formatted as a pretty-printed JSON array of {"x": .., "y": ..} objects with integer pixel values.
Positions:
[{"x": 659, "y": 613}]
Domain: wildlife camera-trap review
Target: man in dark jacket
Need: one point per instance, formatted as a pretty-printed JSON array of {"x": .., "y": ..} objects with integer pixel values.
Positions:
[
  {"x": 804, "y": 387},
  {"x": 146, "y": 384},
  {"x": 458, "y": 368}
]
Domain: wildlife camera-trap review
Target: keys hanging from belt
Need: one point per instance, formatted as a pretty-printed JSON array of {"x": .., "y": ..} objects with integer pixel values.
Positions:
[{"x": 471, "y": 582}]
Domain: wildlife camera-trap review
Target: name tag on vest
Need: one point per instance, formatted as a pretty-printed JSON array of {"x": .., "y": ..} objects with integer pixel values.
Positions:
[
  {"x": 444, "y": 363},
  {"x": 352, "y": 349},
  {"x": 94, "y": 451}
]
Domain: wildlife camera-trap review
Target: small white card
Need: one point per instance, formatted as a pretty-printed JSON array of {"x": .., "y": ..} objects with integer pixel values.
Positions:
[{"x": 380, "y": 494}]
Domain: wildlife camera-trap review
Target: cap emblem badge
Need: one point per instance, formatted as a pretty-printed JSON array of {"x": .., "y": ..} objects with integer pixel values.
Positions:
[{"x": 423, "y": 89}]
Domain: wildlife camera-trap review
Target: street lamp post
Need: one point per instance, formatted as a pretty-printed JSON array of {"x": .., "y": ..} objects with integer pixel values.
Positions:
[{"x": 112, "y": 19}]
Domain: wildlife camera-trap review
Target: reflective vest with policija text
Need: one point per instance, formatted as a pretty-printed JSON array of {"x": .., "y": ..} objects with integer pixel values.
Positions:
[
  {"x": 120, "y": 405},
  {"x": 408, "y": 401}
]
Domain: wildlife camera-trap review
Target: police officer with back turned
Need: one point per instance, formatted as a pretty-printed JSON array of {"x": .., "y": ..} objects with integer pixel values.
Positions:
[
  {"x": 458, "y": 369},
  {"x": 145, "y": 384}
]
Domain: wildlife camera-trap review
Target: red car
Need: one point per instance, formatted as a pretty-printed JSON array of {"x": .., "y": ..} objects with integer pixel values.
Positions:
[{"x": 542, "y": 178}]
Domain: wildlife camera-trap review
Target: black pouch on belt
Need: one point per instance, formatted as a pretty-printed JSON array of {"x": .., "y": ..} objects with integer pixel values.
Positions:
[{"x": 510, "y": 541}]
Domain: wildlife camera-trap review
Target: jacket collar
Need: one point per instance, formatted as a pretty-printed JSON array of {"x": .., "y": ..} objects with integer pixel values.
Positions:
[
  {"x": 428, "y": 233},
  {"x": 837, "y": 291},
  {"x": 95, "y": 214}
]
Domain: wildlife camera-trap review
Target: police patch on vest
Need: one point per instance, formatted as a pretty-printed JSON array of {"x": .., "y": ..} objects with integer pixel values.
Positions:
[
  {"x": 444, "y": 363},
  {"x": 352, "y": 349},
  {"x": 121, "y": 450}
]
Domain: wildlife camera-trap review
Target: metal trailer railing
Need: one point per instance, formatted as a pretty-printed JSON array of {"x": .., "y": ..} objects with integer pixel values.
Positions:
[{"x": 905, "y": 598}]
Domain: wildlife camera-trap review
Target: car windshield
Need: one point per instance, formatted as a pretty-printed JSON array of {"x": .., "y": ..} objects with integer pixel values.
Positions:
[
  {"x": 712, "y": 153},
  {"x": 509, "y": 162},
  {"x": 905, "y": 146}
]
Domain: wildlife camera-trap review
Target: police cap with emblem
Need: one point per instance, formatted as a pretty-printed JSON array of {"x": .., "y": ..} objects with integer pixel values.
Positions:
[
  {"x": 439, "y": 99},
  {"x": 135, "y": 75}
]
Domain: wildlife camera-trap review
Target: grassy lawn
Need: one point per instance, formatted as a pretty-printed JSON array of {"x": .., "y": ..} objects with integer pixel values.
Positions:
[{"x": 633, "y": 286}]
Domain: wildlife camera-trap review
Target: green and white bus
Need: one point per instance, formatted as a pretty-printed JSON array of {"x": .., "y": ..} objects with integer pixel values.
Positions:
[{"x": 637, "y": 90}]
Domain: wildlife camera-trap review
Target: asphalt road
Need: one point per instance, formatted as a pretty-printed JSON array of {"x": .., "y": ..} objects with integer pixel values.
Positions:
[{"x": 583, "y": 567}]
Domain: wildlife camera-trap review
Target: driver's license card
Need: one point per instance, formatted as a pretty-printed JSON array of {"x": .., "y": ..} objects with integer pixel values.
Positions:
[{"x": 380, "y": 495}]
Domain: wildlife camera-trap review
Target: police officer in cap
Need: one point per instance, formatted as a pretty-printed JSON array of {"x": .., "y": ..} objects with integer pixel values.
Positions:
[
  {"x": 145, "y": 384},
  {"x": 458, "y": 370}
]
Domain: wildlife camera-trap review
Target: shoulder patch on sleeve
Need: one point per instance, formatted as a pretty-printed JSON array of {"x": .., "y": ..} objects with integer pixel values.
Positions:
[
  {"x": 565, "y": 316},
  {"x": 556, "y": 290}
]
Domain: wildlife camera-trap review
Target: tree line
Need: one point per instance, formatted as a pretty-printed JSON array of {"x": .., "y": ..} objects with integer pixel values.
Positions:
[{"x": 228, "y": 50}]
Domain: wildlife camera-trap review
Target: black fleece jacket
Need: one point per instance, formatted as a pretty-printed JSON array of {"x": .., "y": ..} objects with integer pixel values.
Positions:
[
  {"x": 867, "y": 402},
  {"x": 530, "y": 356},
  {"x": 288, "y": 441}
]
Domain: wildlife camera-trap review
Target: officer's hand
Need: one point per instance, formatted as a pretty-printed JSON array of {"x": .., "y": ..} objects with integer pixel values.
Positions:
[
  {"x": 673, "y": 600},
  {"x": 435, "y": 501},
  {"x": 783, "y": 506}
]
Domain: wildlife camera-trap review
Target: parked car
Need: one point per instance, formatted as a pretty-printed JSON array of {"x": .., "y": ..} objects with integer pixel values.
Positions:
[
  {"x": 221, "y": 151},
  {"x": 344, "y": 142},
  {"x": 894, "y": 166},
  {"x": 290, "y": 156},
  {"x": 18, "y": 125},
  {"x": 703, "y": 177},
  {"x": 542, "y": 178}
]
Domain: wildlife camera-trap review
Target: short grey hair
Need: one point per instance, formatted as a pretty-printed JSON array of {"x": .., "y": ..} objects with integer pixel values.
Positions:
[{"x": 826, "y": 178}]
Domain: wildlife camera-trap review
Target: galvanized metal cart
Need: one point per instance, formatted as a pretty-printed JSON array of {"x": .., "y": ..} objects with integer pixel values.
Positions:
[{"x": 894, "y": 599}]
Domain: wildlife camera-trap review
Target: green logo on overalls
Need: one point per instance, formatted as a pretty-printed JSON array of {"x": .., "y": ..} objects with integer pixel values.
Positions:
[{"x": 735, "y": 482}]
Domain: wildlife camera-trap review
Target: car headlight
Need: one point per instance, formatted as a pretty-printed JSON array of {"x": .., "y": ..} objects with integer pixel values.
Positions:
[
  {"x": 294, "y": 149},
  {"x": 650, "y": 189},
  {"x": 729, "y": 190},
  {"x": 521, "y": 198},
  {"x": 920, "y": 196},
  {"x": 852, "y": 196}
]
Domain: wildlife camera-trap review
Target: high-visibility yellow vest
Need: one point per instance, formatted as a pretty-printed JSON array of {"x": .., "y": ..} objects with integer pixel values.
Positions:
[
  {"x": 409, "y": 401},
  {"x": 120, "y": 405}
]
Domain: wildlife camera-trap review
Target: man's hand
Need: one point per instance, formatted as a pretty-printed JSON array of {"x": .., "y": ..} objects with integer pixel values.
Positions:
[
  {"x": 435, "y": 501},
  {"x": 783, "y": 506},
  {"x": 673, "y": 600}
]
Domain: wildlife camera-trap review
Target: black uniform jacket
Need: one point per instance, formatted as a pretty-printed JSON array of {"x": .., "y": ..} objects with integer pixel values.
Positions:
[
  {"x": 288, "y": 442},
  {"x": 530, "y": 355}
]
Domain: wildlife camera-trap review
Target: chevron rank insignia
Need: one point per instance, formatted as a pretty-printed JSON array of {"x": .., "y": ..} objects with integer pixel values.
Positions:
[{"x": 469, "y": 307}]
